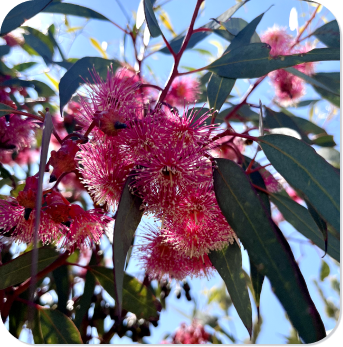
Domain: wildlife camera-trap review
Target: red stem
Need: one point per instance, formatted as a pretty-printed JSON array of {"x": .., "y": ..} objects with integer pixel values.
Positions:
[
  {"x": 145, "y": 85},
  {"x": 177, "y": 57},
  {"x": 25, "y": 114}
]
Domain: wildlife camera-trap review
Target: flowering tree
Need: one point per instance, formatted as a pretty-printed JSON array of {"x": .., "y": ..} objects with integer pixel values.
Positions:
[{"x": 171, "y": 179}]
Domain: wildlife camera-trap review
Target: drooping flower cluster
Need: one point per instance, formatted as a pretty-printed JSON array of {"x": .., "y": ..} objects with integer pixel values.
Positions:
[
  {"x": 189, "y": 334},
  {"x": 166, "y": 156},
  {"x": 288, "y": 87}
]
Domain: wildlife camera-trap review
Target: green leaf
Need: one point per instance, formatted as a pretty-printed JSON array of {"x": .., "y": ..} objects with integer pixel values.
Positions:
[
  {"x": 218, "y": 90},
  {"x": 324, "y": 271},
  {"x": 306, "y": 171},
  {"x": 228, "y": 262},
  {"x": 329, "y": 34},
  {"x": 307, "y": 102},
  {"x": 331, "y": 155},
  {"x": 80, "y": 72},
  {"x": 18, "y": 269},
  {"x": 5, "y": 110},
  {"x": 74, "y": 10},
  {"x": 55, "y": 328},
  {"x": 331, "y": 79},
  {"x": 4, "y": 50},
  {"x": 22, "y": 12},
  {"x": 85, "y": 300},
  {"x": 257, "y": 282},
  {"x": 61, "y": 278},
  {"x": 127, "y": 220},
  {"x": 24, "y": 66},
  {"x": 324, "y": 141},
  {"x": 245, "y": 35},
  {"x": 267, "y": 247},
  {"x": 312, "y": 80},
  {"x": 136, "y": 296},
  {"x": 301, "y": 219},
  {"x": 254, "y": 60},
  {"x": 176, "y": 43},
  {"x": 151, "y": 20}
]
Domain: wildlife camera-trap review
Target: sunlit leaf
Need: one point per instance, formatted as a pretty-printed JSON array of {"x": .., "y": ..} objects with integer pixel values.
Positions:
[
  {"x": 97, "y": 45},
  {"x": 18, "y": 269}
]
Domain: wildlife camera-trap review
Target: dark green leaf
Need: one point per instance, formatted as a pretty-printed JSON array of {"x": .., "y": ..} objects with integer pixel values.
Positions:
[
  {"x": 331, "y": 155},
  {"x": 311, "y": 80},
  {"x": 331, "y": 79},
  {"x": 18, "y": 316},
  {"x": 176, "y": 43},
  {"x": 22, "y": 12},
  {"x": 254, "y": 60},
  {"x": 127, "y": 220},
  {"x": 257, "y": 282},
  {"x": 74, "y": 10},
  {"x": 267, "y": 247},
  {"x": 329, "y": 34},
  {"x": 136, "y": 297},
  {"x": 4, "y": 50},
  {"x": 218, "y": 90},
  {"x": 244, "y": 37},
  {"x": 41, "y": 88},
  {"x": 61, "y": 278},
  {"x": 5, "y": 110},
  {"x": 324, "y": 271},
  {"x": 18, "y": 269},
  {"x": 85, "y": 300},
  {"x": 324, "y": 141},
  {"x": 24, "y": 66},
  {"x": 306, "y": 171},
  {"x": 56, "y": 328},
  {"x": 320, "y": 223},
  {"x": 80, "y": 72},
  {"x": 151, "y": 20},
  {"x": 307, "y": 102},
  {"x": 244, "y": 114},
  {"x": 228, "y": 262},
  {"x": 302, "y": 221}
]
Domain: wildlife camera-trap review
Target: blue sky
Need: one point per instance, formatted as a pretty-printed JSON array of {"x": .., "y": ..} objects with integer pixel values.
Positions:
[{"x": 275, "y": 325}]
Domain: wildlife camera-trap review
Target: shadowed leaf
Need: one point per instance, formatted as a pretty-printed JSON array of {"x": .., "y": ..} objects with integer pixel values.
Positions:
[{"x": 329, "y": 34}]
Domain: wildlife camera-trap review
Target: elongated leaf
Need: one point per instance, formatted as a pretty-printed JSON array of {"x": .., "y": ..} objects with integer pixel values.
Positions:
[
  {"x": 218, "y": 89},
  {"x": 19, "y": 14},
  {"x": 56, "y": 328},
  {"x": 150, "y": 19},
  {"x": 267, "y": 247},
  {"x": 331, "y": 79},
  {"x": 244, "y": 37},
  {"x": 302, "y": 221},
  {"x": 311, "y": 80},
  {"x": 137, "y": 298},
  {"x": 199, "y": 36},
  {"x": 329, "y": 34},
  {"x": 127, "y": 220},
  {"x": 74, "y": 10},
  {"x": 24, "y": 66},
  {"x": 85, "y": 300},
  {"x": 4, "y": 50},
  {"x": 18, "y": 269},
  {"x": 61, "y": 278},
  {"x": 228, "y": 262},
  {"x": 41, "y": 88},
  {"x": 257, "y": 282},
  {"x": 254, "y": 60},
  {"x": 306, "y": 171},
  {"x": 80, "y": 72},
  {"x": 307, "y": 102}
]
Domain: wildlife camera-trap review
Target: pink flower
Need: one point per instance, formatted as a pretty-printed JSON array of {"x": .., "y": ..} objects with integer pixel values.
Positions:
[
  {"x": 160, "y": 259},
  {"x": 183, "y": 90},
  {"x": 278, "y": 39},
  {"x": 104, "y": 168},
  {"x": 272, "y": 184},
  {"x": 192, "y": 334}
]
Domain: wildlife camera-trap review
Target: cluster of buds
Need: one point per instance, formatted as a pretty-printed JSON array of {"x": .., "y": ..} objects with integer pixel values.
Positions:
[
  {"x": 288, "y": 87},
  {"x": 189, "y": 334}
]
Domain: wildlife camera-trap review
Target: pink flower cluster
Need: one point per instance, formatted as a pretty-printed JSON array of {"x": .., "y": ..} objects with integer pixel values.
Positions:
[
  {"x": 288, "y": 87},
  {"x": 190, "y": 335},
  {"x": 167, "y": 157}
]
